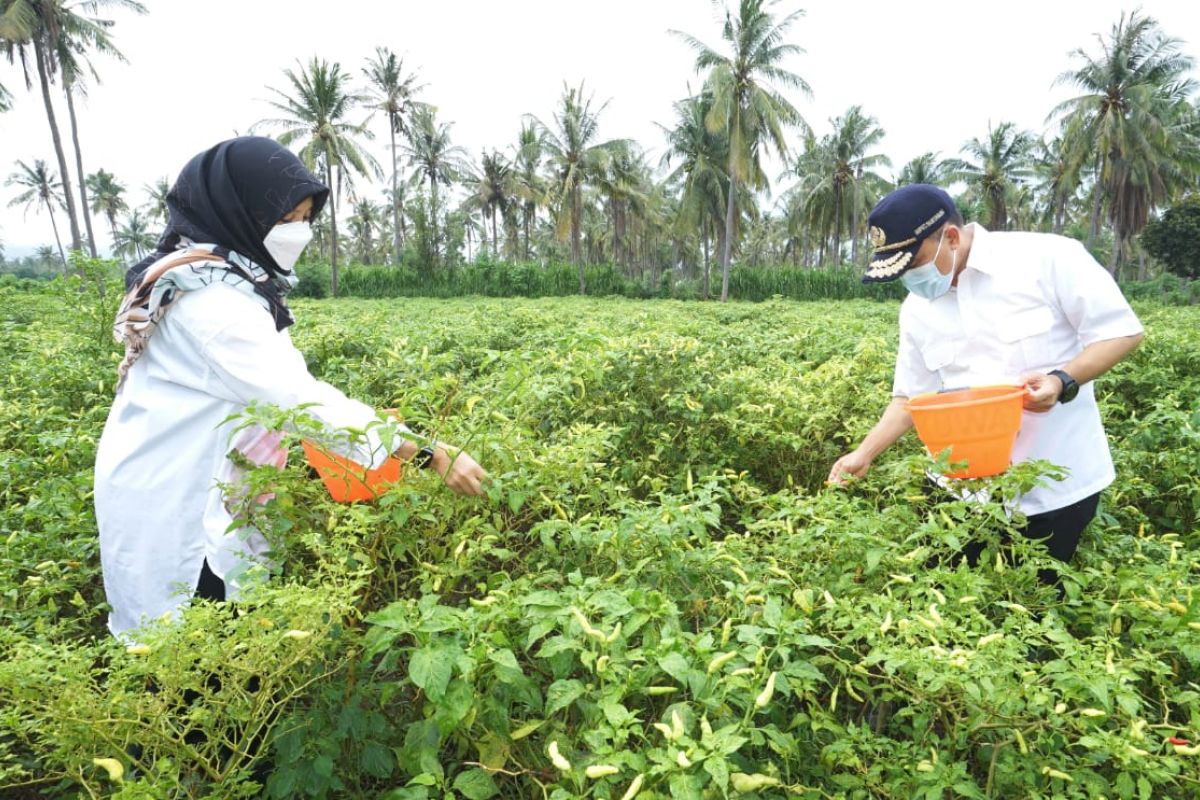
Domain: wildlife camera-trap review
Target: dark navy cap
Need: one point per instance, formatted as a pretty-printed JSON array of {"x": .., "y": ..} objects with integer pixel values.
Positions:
[{"x": 898, "y": 225}]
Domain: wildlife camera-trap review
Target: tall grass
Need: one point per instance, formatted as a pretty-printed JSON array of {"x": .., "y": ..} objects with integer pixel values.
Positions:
[{"x": 516, "y": 279}]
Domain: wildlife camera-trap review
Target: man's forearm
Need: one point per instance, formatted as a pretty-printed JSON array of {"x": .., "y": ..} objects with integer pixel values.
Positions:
[
  {"x": 895, "y": 422},
  {"x": 1099, "y": 357}
]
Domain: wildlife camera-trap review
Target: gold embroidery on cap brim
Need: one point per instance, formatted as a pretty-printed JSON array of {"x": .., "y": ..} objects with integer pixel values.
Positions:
[
  {"x": 889, "y": 247},
  {"x": 889, "y": 267},
  {"x": 924, "y": 226}
]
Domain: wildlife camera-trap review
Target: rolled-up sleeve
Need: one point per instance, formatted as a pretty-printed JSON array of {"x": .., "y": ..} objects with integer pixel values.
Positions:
[
  {"x": 1089, "y": 297},
  {"x": 251, "y": 362}
]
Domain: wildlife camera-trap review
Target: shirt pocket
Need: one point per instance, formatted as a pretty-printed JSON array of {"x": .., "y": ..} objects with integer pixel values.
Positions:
[
  {"x": 938, "y": 355},
  {"x": 1025, "y": 334}
]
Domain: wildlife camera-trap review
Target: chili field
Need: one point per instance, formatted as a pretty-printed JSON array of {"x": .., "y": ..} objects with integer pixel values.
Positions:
[{"x": 659, "y": 598}]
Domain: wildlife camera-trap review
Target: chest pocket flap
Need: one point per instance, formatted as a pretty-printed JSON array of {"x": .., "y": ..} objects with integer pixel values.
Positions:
[{"x": 937, "y": 354}]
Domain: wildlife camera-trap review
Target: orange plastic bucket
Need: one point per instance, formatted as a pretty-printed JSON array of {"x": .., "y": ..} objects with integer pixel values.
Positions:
[
  {"x": 347, "y": 481},
  {"x": 979, "y": 425},
  {"x": 350, "y": 482}
]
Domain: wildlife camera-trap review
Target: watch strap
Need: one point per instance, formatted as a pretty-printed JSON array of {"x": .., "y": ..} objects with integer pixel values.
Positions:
[{"x": 1070, "y": 387}]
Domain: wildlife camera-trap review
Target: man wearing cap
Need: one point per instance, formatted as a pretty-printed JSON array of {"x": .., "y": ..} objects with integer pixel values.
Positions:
[{"x": 985, "y": 307}]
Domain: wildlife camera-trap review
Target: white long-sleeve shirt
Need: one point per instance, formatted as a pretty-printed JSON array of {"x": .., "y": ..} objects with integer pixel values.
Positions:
[
  {"x": 163, "y": 452},
  {"x": 1026, "y": 302}
]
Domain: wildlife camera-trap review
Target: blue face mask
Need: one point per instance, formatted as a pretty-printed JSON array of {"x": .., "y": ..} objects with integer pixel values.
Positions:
[{"x": 927, "y": 280}]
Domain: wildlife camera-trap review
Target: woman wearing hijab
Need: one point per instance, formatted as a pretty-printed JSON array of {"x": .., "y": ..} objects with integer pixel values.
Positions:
[{"x": 204, "y": 326}]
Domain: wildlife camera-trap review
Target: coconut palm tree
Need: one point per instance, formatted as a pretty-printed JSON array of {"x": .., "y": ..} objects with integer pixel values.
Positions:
[
  {"x": 746, "y": 104},
  {"x": 27, "y": 30},
  {"x": 399, "y": 198},
  {"x": 43, "y": 256},
  {"x": 1058, "y": 164},
  {"x": 1133, "y": 96},
  {"x": 41, "y": 186},
  {"x": 5, "y": 99},
  {"x": 367, "y": 219},
  {"x": 134, "y": 239},
  {"x": 528, "y": 184},
  {"x": 73, "y": 37},
  {"x": 493, "y": 191},
  {"x": 995, "y": 166},
  {"x": 702, "y": 157},
  {"x": 848, "y": 172},
  {"x": 107, "y": 197},
  {"x": 925, "y": 168},
  {"x": 574, "y": 157},
  {"x": 812, "y": 195},
  {"x": 625, "y": 183},
  {"x": 157, "y": 199},
  {"x": 315, "y": 112},
  {"x": 436, "y": 160},
  {"x": 473, "y": 227},
  {"x": 392, "y": 92}
]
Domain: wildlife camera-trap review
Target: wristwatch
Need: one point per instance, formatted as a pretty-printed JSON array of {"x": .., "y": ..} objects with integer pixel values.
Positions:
[
  {"x": 424, "y": 457},
  {"x": 1070, "y": 387}
]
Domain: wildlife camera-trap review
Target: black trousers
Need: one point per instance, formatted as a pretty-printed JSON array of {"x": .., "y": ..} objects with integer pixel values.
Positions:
[
  {"x": 209, "y": 587},
  {"x": 1060, "y": 530}
]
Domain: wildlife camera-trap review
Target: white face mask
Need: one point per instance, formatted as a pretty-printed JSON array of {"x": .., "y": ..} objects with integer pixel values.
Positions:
[
  {"x": 927, "y": 280},
  {"x": 286, "y": 241}
]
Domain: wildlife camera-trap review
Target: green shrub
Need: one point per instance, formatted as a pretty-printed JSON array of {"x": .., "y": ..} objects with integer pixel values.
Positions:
[
  {"x": 1174, "y": 238},
  {"x": 656, "y": 550}
]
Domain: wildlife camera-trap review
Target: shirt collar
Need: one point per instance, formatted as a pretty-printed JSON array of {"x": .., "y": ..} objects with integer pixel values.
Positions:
[{"x": 983, "y": 251}]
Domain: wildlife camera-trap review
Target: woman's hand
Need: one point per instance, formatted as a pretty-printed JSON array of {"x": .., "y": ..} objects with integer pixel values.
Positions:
[{"x": 459, "y": 471}]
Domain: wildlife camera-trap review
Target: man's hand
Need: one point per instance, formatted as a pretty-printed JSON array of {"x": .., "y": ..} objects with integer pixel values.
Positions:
[
  {"x": 853, "y": 465},
  {"x": 1041, "y": 391},
  {"x": 459, "y": 471}
]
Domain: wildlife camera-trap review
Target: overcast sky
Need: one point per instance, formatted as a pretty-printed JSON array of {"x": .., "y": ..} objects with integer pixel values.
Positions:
[{"x": 934, "y": 74}]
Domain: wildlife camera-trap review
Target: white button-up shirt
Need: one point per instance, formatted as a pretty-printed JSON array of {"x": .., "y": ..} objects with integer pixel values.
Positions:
[
  {"x": 1025, "y": 302},
  {"x": 164, "y": 448}
]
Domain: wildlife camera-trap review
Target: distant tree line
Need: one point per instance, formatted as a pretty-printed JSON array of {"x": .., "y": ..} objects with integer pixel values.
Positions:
[{"x": 1111, "y": 159}]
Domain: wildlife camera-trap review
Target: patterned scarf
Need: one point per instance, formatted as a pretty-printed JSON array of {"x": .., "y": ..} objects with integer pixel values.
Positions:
[{"x": 192, "y": 267}]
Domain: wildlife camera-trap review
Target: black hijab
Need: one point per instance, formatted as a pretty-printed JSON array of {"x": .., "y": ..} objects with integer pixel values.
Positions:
[{"x": 232, "y": 195}]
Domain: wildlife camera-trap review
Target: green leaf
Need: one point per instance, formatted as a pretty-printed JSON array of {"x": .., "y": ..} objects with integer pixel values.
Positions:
[
  {"x": 429, "y": 669},
  {"x": 377, "y": 760},
  {"x": 507, "y": 668},
  {"x": 557, "y": 644},
  {"x": 544, "y": 598},
  {"x": 475, "y": 784},
  {"x": 718, "y": 769},
  {"x": 408, "y": 793},
  {"x": 454, "y": 705},
  {"x": 561, "y": 694},
  {"x": 676, "y": 666},
  {"x": 616, "y": 713},
  {"x": 685, "y": 786}
]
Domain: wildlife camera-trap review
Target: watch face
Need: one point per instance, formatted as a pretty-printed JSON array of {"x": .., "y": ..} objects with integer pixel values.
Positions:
[
  {"x": 1070, "y": 386},
  {"x": 424, "y": 457}
]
